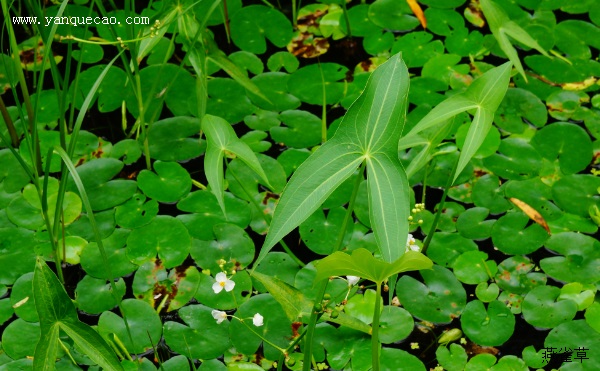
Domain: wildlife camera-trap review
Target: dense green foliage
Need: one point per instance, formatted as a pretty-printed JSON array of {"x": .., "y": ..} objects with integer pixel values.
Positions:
[{"x": 423, "y": 176}]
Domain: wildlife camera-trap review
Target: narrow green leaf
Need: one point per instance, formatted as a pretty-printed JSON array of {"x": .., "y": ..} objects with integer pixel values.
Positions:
[
  {"x": 293, "y": 302},
  {"x": 92, "y": 344},
  {"x": 389, "y": 204},
  {"x": 309, "y": 187},
  {"x": 363, "y": 264},
  {"x": 46, "y": 350},
  {"x": 348, "y": 321},
  {"x": 220, "y": 138},
  {"x": 442, "y": 112},
  {"x": 485, "y": 95},
  {"x": 219, "y": 58},
  {"x": 501, "y": 26}
]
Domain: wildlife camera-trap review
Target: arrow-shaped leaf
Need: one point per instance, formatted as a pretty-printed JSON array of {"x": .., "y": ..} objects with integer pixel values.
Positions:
[
  {"x": 221, "y": 137},
  {"x": 363, "y": 264},
  {"x": 501, "y": 26},
  {"x": 484, "y": 95},
  {"x": 56, "y": 310},
  {"x": 369, "y": 131}
]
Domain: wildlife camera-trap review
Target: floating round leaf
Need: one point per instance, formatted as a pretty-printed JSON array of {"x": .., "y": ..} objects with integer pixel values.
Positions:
[
  {"x": 114, "y": 246},
  {"x": 536, "y": 194},
  {"x": 517, "y": 160},
  {"x": 232, "y": 245},
  {"x": 274, "y": 85},
  {"x": 418, "y": 48},
  {"x": 446, "y": 247},
  {"x": 102, "y": 192},
  {"x": 21, "y": 298},
  {"x": 580, "y": 261},
  {"x": 580, "y": 338},
  {"x": 473, "y": 224},
  {"x": 224, "y": 300},
  {"x": 136, "y": 212},
  {"x": 17, "y": 255},
  {"x": 277, "y": 265},
  {"x": 576, "y": 193},
  {"x": 172, "y": 139},
  {"x": 362, "y": 306},
  {"x": 453, "y": 359},
  {"x": 569, "y": 142},
  {"x": 510, "y": 235},
  {"x": 399, "y": 360},
  {"x": 144, "y": 324},
  {"x": 520, "y": 105},
  {"x": 166, "y": 236},
  {"x": 128, "y": 149},
  {"x": 301, "y": 130},
  {"x": 276, "y": 328},
  {"x": 395, "y": 324},
  {"x": 285, "y": 60},
  {"x": 392, "y": 15},
  {"x": 95, "y": 296},
  {"x": 488, "y": 194},
  {"x": 320, "y": 233},
  {"x": 152, "y": 285},
  {"x": 487, "y": 293},
  {"x": 228, "y": 99},
  {"x": 444, "y": 22},
  {"x": 514, "y": 275},
  {"x": 472, "y": 267},
  {"x": 19, "y": 339},
  {"x": 492, "y": 326},
  {"x": 170, "y": 183},
  {"x": 202, "y": 337},
  {"x": 308, "y": 83},
  {"x": 592, "y": 316},
  {"x": 441, "y": 299},
  {"x": 252, "y": 24},
  {"x": 291, "y": 159},
  {"x": 105, "y": 221},
  {"x": 541, "y": 308}
]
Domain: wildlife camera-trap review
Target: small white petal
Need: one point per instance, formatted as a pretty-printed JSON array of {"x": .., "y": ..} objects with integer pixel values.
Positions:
[
  {"x": 415, "y": 247},
  {"x": 221, "y": 277},
  {"x": 219, "y": 316},
  {"x": 229, "y": 285},
  {"x": 217, "y": 287},
  {"x": 257, "y": 320},
  {"x": 352, "y": 280}
]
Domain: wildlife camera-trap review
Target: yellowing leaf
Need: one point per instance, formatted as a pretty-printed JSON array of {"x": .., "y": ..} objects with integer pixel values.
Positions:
[
  {"x": 418, "y": 12},
  {"x": 531, "y": 213}
]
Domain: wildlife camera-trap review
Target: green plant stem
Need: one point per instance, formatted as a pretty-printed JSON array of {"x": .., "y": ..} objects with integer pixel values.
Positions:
[
  {"x": 294, "y": 13},
  {"x": 9, "y": 124},
  {"x": 438, "y": 214},
  {"x": 347, "y": 18},
  {"x": 324, "y": 109},
  {"x": 322, "y": 286},
  {"x": 281, "y": 360},
  {"x": 375, "y": 329},
  {"x": 260, "y": 336}
]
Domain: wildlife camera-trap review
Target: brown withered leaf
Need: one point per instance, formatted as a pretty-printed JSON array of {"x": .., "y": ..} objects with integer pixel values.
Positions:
[
  {"x": 418, "y": 12},
  {"x": 532, "y": 213},
  {"x": 307, "y": 45}
]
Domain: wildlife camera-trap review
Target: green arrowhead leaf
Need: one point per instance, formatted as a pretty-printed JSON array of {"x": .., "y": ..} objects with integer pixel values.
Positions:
[
  {"x": 221, "y": 138},
  {"x": 369, "y": 131},
  {"x": 363, "y": 264}
]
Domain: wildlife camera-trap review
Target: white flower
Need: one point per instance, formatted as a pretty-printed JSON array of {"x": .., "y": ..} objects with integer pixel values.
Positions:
[
  {"x": 257, "y": 320},
  {"x": 411, "y": 244},
  {"x": 222, "y": 282},
  {"x": 220, "y": 316},
  {"x": 352, "y": 280}
]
